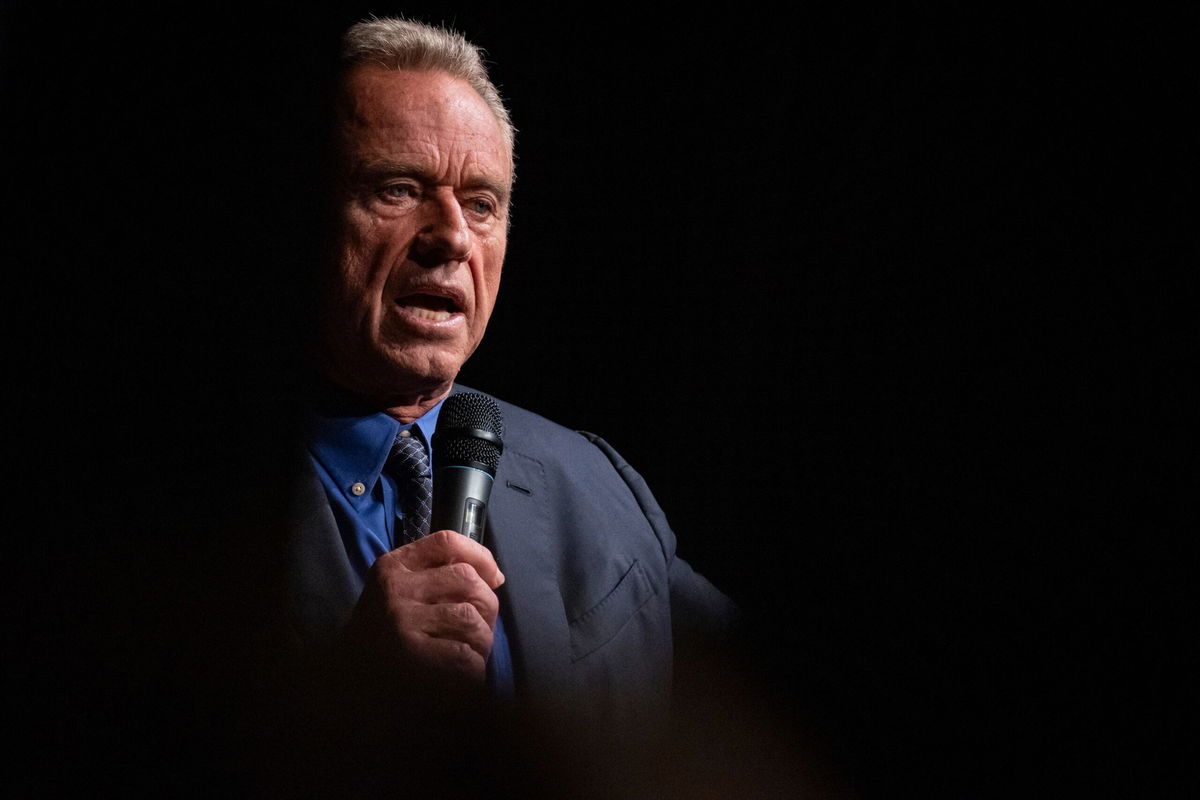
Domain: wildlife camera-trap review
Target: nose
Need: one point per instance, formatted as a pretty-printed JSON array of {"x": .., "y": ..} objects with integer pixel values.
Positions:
[{"x": 444, "y": 236}]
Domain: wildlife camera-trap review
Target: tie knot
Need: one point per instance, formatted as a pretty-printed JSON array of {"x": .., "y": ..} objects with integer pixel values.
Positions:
[{"x": 408, "y": 457}]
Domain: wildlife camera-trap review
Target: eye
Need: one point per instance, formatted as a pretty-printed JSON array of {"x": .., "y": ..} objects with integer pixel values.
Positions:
[
  {"x": 398, "y": 192},
  {"x": 480, "y": 206}
]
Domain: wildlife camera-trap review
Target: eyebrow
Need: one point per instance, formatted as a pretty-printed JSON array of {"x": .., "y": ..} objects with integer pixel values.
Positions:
[{"x": 407, "y": 169}]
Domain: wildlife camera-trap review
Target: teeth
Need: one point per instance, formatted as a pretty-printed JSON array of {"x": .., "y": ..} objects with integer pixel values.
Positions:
[{"x": 428, "y": 313}]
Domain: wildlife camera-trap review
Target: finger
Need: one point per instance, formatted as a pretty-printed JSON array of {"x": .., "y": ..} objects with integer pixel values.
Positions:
[
  {"x": 452, "y": 655},
  {"x": 459, "y": 622},
  {"x": 447, "y": 547},
  {"x": 455, "y": 583}
]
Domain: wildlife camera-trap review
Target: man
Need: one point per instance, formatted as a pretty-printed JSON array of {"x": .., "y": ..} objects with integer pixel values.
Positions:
[{"x": 575, "y": 601}]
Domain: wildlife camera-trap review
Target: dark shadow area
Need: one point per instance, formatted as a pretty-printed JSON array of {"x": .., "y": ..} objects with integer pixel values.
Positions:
[{"x": 888, "y": 311}]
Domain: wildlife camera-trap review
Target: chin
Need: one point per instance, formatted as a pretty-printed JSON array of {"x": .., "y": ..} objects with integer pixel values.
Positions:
[{"x": 420, "y": 368}]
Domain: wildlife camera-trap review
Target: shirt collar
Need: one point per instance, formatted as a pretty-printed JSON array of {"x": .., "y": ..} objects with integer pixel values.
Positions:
[{"x": 352, "y": 444}]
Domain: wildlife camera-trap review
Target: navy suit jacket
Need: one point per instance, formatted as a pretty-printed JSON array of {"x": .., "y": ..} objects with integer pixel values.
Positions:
[{"x": 594, "y": 596}]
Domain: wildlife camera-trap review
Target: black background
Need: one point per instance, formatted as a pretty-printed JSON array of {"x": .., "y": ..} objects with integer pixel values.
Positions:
[{"x": 889, "y": 310}]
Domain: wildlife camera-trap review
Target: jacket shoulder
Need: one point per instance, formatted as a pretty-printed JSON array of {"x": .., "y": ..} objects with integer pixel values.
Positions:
[{"x": 536, "y": 436}]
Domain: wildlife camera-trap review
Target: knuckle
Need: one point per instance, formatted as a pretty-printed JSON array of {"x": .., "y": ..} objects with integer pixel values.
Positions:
[
  {"x": 462, "y": 613},
  {"x": 462, "y": 571},
  {"x": 464, "y": 655},
  {"x": 398, "y": 561},
  {"x": 442, "y": 540}
]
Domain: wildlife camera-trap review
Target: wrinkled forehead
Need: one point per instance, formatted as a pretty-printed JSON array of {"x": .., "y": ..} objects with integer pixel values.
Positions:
[{"x": 376, "y": 105}]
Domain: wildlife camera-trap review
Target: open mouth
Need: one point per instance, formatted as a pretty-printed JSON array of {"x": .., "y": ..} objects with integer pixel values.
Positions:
[{"x": 431, "y": 307}]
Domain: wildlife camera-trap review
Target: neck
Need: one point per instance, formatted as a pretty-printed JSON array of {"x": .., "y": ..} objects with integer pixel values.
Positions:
[
  {"x": 404, "y": 406},
  {"x": 409, "y": 410}
]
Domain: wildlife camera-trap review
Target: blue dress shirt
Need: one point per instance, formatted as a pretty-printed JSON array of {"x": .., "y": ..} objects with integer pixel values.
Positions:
[{"x": 348, "y": 449}]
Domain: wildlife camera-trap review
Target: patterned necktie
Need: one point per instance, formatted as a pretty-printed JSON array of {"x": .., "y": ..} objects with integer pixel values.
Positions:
[{"x": 409, "y": 467}]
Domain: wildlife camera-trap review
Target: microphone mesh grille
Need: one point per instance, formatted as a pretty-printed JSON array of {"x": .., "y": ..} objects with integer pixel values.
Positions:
[
  {"x": 472, "y": 410},
  {"x": 463, "y": 449},
  {"x": 468, "y": 410}
]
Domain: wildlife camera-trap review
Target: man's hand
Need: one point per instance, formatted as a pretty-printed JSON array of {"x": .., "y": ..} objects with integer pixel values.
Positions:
[{"x": 431, "y": 604}]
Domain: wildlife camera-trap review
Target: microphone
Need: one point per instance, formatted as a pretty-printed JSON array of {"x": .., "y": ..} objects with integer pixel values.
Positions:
[{"x": 466, "y": 452}]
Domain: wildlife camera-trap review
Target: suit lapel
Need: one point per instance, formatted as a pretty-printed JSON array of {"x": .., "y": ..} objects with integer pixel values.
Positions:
[
  {"x": 519, "y": 534},
  {"x": 324, "y": 584}
]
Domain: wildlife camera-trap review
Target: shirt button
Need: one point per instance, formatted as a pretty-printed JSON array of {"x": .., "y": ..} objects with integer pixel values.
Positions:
[
  {"x": 357, "y": 489},
  {"x": 404, "y": 434}
]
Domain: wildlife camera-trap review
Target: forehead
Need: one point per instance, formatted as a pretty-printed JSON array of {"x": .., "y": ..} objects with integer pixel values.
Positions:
[{"x": 385, "y": 109}]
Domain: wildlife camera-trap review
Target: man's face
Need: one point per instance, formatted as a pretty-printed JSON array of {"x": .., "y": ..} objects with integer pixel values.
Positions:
[{"x": 423, "y": 217}]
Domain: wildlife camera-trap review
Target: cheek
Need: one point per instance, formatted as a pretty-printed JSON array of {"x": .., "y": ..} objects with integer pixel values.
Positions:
[
  {"x": 365, "y": 253},
  {"x": 489, "y": 273}
]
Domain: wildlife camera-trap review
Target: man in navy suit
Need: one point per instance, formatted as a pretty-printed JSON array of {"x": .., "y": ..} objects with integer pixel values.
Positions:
[{"x": 577, "y": 603}]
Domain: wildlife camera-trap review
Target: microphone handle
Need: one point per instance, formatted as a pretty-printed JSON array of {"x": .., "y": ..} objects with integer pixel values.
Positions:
[{"x": 460, "y": 499}]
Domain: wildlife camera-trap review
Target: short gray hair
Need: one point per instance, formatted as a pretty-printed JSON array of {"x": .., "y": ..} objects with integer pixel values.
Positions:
[{"x": 397, "y": 43}]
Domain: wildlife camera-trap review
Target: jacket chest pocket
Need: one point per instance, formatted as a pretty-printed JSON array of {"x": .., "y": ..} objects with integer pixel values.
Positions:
[{"x": 599, "y": 624}]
